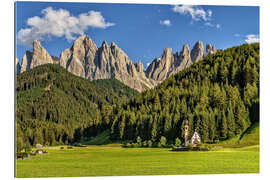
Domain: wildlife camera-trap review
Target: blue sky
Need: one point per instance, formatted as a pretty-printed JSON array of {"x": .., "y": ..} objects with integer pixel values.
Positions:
[{"x": 142, "y": 31}]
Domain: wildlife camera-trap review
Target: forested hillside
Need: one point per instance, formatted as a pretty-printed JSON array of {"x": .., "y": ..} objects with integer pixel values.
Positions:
[
  {"x": 219, "y": 96},
  {"x": 54, "y": 107}
]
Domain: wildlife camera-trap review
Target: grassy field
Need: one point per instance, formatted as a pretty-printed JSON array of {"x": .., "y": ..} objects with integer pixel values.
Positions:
[
  {"x": 116, "y": 161},
  {"x": 237, "y": 155}
]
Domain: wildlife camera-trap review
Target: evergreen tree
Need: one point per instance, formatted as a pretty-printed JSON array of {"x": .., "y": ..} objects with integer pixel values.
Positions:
[
  {"x": 163, "y": 141},
  {"x": 139, "y": 141},
  {"x": 177, "y": 142},
  {"x": 223, "y": 129}
]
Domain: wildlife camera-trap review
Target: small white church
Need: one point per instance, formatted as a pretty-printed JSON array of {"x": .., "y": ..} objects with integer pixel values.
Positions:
[{"x": 194, "y": 139}]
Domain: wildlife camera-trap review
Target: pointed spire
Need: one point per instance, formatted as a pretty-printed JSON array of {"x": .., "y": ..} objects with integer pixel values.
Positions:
[
  {"x": 105, "y": 44},
  {"x": 197, "y": 52},
  {"x": 167, "y": 53},
  {"x": 113, "y": 44},
  {"x": 36, "y": 45},
  {"x": 210, "y": 49}
]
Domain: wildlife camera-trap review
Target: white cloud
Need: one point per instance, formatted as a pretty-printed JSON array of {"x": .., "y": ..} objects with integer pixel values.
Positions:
[
  {"x": 60, "y": 23},
  {"x": 148, "y": 64},
  {"x": 209, "y": 24},
  {"x": 209, "y": 12},
  {"x": 195, "y": 12},
  {"x": 166, "y": 22},
  {"x": 252, "y": 38},
  {"x": 212, "y": 25}
]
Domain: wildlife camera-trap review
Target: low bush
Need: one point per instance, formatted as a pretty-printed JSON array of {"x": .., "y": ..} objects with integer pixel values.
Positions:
[
  {"x": 79, "y": 145},
  {"x": 145, "y": 144},
  {"x": 22, "y": 155},
  {"x": 124, "y": 145},
  {"x": 32, "y": 153}
]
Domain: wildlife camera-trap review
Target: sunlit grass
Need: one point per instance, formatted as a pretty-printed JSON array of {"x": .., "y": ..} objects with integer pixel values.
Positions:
[{"x": 116, "y": 161}]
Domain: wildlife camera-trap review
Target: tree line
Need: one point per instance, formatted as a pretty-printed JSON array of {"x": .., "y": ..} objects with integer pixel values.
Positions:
[
  {"x": 219, "y": 96},
  {"x": 55, "y": 107}
]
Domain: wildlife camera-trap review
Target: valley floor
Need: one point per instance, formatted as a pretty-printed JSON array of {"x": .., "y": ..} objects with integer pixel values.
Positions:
[{"x": 113, "y": 160}]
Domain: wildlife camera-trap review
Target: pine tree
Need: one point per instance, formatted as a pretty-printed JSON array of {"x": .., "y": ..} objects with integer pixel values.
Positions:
[
  {"x": 223, "y": 129},
  {"x": 212, "y": 125},
  {"x": 163, "y": 141},
  {"x": 177, "y": 142},
  {"x": 230, "y": 121},
  {"x": 154, "y": 130},
  {"x": 19, "y": 139},
  {"x": 139, "y": 141},
  {"x": 122, "y": 126}
]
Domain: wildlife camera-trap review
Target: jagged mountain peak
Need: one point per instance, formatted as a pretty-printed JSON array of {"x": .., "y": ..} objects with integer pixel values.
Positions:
[
  {"x": 185, "y": 48},
  {"x": 167, "y": 50},
  {"x": 84, "y": 42},
  {"x": 17, "y": 66},
  {"x": 105, "y": 44},
  {"x": 210, "y": 49},
  {"x": 86, "y": 60},
  {"x": 139, "y": 66},
  {"x": 36, "y": 44},
  {"x": 38, "y": 57},
  {"x": 113, "y": 44},
  {"x": 171, "y": 63},
  {"x": 197, "y": 51},
  {"x": 106, "y": 62}
]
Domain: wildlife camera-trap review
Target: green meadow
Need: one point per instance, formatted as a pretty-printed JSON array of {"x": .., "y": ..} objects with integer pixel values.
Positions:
[
  {"x": 237, "y": 155},
  {"x": 109, "y": 160}
]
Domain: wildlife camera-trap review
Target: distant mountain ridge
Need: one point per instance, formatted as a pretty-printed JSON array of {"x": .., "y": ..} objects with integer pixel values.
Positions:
[
  {"x": 169, "y": 63},
  {"x": 86, "y": 60}
]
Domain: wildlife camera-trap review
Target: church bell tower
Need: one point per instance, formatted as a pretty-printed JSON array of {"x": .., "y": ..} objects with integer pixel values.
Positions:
[{"x": 186, "y": 126}]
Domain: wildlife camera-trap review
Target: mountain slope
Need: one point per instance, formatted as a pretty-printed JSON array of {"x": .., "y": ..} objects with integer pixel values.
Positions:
[
  {"x": 249, "y": 138},
  {"x": 219, "y": 97},
  {"x": 54, "y": 106}
]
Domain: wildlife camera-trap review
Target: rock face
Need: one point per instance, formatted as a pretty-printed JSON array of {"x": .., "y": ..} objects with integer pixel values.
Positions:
[
  {"x": 160, "y": 68},
  {"x": 17, "y": 66},
  {"x": 139, "y": 66},
  {"x": 184, "y": 59},
  {"x": 210, "y": 49},
  {"x": 55, "y": 60},
  {"x": 38, "y": 57},
  {"x": 169, "y": 64},
  {"x": 197, "y": 52},
  {"x": 86, "y": 60}
]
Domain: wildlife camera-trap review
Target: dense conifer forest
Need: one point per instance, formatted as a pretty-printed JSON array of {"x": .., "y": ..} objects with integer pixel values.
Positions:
[
  {"x": 219, "y": 96},
  {"x": 55, "y": 107}
]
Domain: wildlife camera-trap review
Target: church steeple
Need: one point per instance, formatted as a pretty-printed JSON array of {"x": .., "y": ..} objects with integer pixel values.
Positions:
[{"x": 186, "y": 127}]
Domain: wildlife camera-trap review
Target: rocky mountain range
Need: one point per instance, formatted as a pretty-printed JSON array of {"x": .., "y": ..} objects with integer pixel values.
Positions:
[
  {"x": 169, "y": 63},
  {"x": 86, "y": 60}
]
